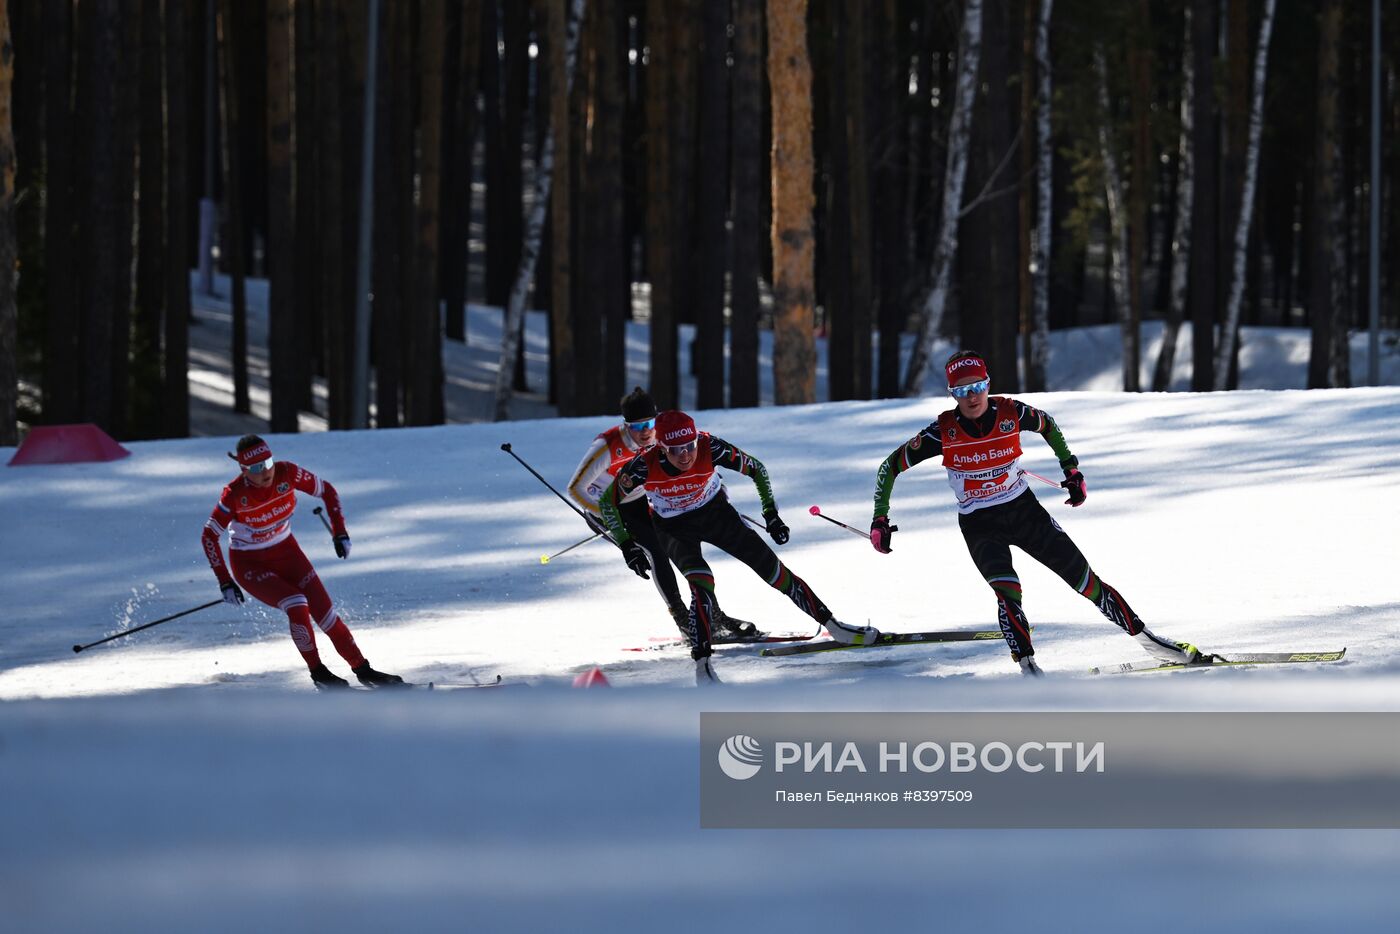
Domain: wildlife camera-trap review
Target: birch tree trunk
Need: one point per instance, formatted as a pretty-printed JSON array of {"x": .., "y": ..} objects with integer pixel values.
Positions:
[
  {"x": 1181, "y": 230},
  {"x": 931, "y": 312},
  {"x": 790, "y": 81},
  {"x": 530, "y": 247},
  {"x": 1251, "y": 176},
  {"x": 1117, "y": 223},
  {"x": 1039, "y": 357}
]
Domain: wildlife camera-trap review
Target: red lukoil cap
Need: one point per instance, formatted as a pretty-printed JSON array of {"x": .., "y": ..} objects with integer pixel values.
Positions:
[
  {"x": 965, "y": 367},
  {"x": 674, "y": 427},
  {"x": 254, "y": 455}
]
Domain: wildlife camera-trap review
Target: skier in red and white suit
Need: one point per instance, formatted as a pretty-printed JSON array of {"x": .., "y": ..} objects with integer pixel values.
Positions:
[{"x": 256, "y": 508}]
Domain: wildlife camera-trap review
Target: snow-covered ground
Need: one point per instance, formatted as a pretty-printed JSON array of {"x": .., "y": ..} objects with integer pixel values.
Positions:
[{"x": 188, "y": 777}]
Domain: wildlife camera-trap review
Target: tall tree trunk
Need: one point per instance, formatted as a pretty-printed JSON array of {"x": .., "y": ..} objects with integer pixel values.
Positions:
[
  {"x": 178, "y": 230},
  {"x": 99, "y": 110},
  {"x": 660, "y": 228},
  {"x": 233, "y": 199},
  {"x": 423, "y": 387},
  {"x": 150, "y": 253},
  {"x": 1205, "y": 158},
  {"x": 955, "y": 173},
  {"x": 282, "y": 221},
  {"x": 748, "y": 196},
  {"x": 1118, "y": 225},
  {"x": 1023, "y": 230},
  {"x": 831, "y": 147},
  {"x": 1038, "y": 355},
  {"x": 534, "y": 231},
  {"x": 790, "y": 81},
  {"x": 457, "y": 176},
  {"x": 9, "y": 252},
  {"x": 1140, "y": 64},
  {"x": 682, "y": 18},
  {"x": 987, "y": 311},
  {"x": 888, "y": 138},
  {"x": 615, "y": 285},
  {"x": 1246, "y": 202},
  {"x": 124, "y": 191},
  {"x": 61, "y": 387},
  {"x": 563, "y": 359},
  {"x": 1329, "y": 365},
  {"x": 713, "y": 166},
  {"x": 330, "y": 210},
  {"x": 861, "y": 249},
  {"x": 1181, "y": 224},
  {"x": 309, "y": 310}
]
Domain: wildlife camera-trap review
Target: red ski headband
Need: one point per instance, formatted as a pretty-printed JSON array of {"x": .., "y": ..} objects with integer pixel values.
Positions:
[
  {"x": 963, "y": 368},
  {"x": 254, "y": 455}
]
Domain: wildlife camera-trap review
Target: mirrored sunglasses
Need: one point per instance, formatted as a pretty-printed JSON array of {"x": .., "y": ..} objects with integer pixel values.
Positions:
[
  {"x": 259, "y": 467},
  {"x": 679, "y": 449},
  {"x": 645, "y": 425},
  {"x": 970, "y": 389}
]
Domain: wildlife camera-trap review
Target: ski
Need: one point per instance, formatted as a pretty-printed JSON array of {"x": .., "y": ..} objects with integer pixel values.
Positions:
[
  {"x": 428, "y": 685},
  {"x": 662, "y": 643},
  {"x": 1223, "y": 661},
  {"x": 444, "y": 686},
  {"x": 890, "y": 638}
]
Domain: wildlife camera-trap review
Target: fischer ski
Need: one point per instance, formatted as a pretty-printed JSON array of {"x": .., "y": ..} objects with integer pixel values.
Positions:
[
  {"x": 890, "y": 638},
  {"x": 1234, "y": 659}
]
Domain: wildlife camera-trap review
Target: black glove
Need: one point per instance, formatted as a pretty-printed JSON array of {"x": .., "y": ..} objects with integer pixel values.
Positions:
[
  {"x": 342, "y": 545},
  {"x": 232, "y": 595},
  {"x": 881, "y": 532},
  {"x": 636, "y": 559},
  {"x": 1074, "y": 483},
  {"x": 777, "y": 528}
]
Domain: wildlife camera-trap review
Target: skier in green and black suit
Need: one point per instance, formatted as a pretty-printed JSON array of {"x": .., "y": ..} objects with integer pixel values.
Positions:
[{"x": 980, "y": 442}]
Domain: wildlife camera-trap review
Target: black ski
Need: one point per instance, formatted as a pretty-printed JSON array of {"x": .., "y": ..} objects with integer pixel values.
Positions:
[
  {"x": 1236, "y": 659},
  {"x": 891, "y": 638},
  {"x": 661, "y": 643}
]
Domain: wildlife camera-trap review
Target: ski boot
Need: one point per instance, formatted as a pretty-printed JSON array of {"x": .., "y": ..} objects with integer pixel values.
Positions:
[
  {"x": 1169, "y": 650},
  {"x": 327, "y": 680},
  {"x": 681, "y": 616},
  {"x": 730, "y": 629},
  {"x": 851, "y": 635},
  {"x": 1029, "y": 668},
  {"x": 376, "y": 679}
]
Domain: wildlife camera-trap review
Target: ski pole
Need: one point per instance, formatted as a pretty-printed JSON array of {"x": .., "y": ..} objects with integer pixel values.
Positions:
[
  {"x": 545, "y": 559},
  {"x": 1040, "y": 478},
  {"x": 817, "y": 511},
  {"x": 320, "y": 514},
  {"x": 164, "y": 619},
  {"x": 753, "y": 522},
  {"x": 581, "y": 514},
  {"x": 506, "y": 447}
]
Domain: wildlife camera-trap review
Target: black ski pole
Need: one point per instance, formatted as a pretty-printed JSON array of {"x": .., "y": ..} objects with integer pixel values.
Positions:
[
  {"x": 166, "y": 619},
  {"x": 581, "y": 514},
  {"x": 320, "y": 514},
  {"x": 506, "y": 447}
]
